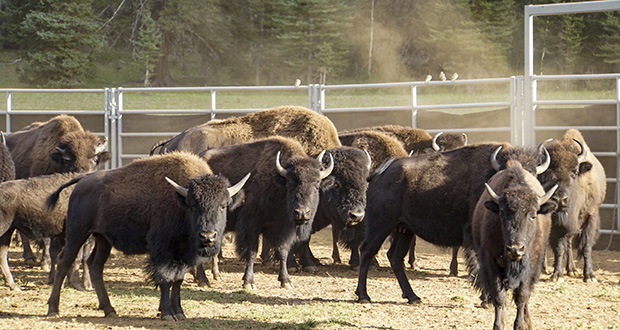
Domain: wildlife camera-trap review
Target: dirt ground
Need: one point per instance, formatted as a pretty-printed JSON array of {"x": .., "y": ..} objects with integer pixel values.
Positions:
[{"x": 323, "y": 300}]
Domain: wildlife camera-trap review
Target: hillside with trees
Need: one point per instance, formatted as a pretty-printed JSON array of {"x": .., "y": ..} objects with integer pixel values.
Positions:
[{"x": 65, "y": 43}]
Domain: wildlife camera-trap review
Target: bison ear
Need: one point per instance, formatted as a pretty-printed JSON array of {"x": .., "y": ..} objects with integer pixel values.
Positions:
[
  {"x": 548, "y": 207},
  {"x": 584, "y": 167},
  {"x": 103, "y": 157},
  {"x": 237, "y": 200},
  {"x": 327, "y": 183},
  {"x": 491, "y": 206}
]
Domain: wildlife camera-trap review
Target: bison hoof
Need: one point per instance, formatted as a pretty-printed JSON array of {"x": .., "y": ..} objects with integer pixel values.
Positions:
[
  {"x": 15, "y": 287},
  {"x": 310, "y": 269},
  {"x": 363, "y": 300},
  {"x": 556, "y": 278},
  {"x": 414, "y": 301},
  {"x": 203, "y": 283},
  {"x": 287, "y": 285},
  {"x": 485, "y": 305},
  {"x": 168, "y": 318},
  {"x": 52, "y": 314},
  {"x": 179, "y": 317},
  {"x": 111, "y": 315},
  {"x": 31, "y": 262},
  {"x": 249, "y": 286},
  {"x": 591, "y": 279}
]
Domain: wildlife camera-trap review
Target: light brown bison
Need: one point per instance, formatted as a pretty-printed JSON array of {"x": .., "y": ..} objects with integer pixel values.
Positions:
[
  {"x": 281, "y": 197},
  {"x": 582, "y": 186},
  {"x": 314, "y": 131},
  {"x": 7, "y": 167},
  {"x": 172, "y": 207},
  {"x": 58, "y": 145},
  {"x": 22, "y": 207},
  {"x": 510, "y": 229}
]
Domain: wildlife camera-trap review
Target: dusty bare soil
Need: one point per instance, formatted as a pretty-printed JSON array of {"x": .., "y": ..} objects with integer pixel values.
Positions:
[{"x": 323, "y": 300}]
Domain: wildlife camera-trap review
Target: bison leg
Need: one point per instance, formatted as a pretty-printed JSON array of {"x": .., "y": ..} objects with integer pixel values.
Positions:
[
  {"x": 5, "y": 240},
  {"x": 412, "y": 258},
  {"x": 559, "y": 249},
  {"x": 335, "y": 251},
  {"x": 199, "y": 275},
  {"x": 306, "y": 259},
  {"x": 165, "y": 303},
  {"x": 521, "y": 297},
  {"x": 65, "y": 260},
  {"x": 86, "y": 252},
  {"x": 588, "y": 237},
  {"x": 28, "y": 255},
  {"x": 248, "y": 275},
  {"x": 454, "y": 264},
  {"x": 215, "y": 266},
  {"x": 501, "y": 314},
  {"x": 176, "y": 300},
  {"x": 396, "y": 254},
  {"x": 283, "y": 276},
  {"x": 368, "y": 250},
  {"x": 571, "y": 267},
  {"x": 96, "y": 262}
]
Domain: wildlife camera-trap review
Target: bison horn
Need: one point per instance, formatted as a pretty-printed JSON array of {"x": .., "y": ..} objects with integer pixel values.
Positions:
[
  {"x": 61, "y": 150},
  {"x": 494, "y": 196},
  {"x": 436, "y": 147},
  {"x": 281, "y": 169},
  {"x": 181, "y": 190},
  {"x": 543, "y": 199},
  {"x": 369, "y": 160},
  {"x": 465, "y": 137},
  {"x": 543, "y": 167},
  {"x": 410, "y": 153},
  {"x": 2, "y": 138},
  {"x": 326, "y": 172},
  {"x": 101, "y": 147},
  {"x": 542, "y": 144},
  {"x": 232, "y": 191},
  {"x": 494, "y": 162},
  {"x": 584, "y": 151}
]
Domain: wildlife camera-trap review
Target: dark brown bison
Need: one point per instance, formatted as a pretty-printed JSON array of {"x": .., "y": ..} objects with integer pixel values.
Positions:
[
  {"x": 314, "y": 131},
  {"x": 22, "y": 207},
  {"x": 432, "y": 196},
  {"x": 7, "y": 167},
  {"x": 58, "y": 145},
  {"x": 418, "y": 141},
  {"x": 171, "y": 207},
  {"x": 581, "y": 180},
  {"x": 280, "y": 199},
  {"x": 510, "y": 229}
]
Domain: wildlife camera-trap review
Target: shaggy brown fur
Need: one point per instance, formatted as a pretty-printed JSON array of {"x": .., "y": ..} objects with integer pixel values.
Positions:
[
  {"x": 581, "y": 191},
  {"x": 133, "y": 209},
  {"x": 314, "y": 131},
  {"x": 7, "y": 167},
  {"x": 34, "y": 152},
  {"x": 22, "y": 207},
  {"x": 380, "y": 146},
  {"x": 509, "y": 239},
  {"x": 416, "y": 139}
]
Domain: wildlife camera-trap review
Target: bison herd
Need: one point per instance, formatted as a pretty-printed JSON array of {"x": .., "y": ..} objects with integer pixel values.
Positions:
[{"x": 285, "y": 173}]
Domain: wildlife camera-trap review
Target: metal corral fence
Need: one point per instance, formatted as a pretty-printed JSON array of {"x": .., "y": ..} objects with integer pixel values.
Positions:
[{"x": 133, "y": 130}]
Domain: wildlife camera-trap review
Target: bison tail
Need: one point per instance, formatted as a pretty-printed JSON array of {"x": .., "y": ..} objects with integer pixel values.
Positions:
[
  {"x": 159, "y": 144},
  {"x": 52, "y": 199},
  {"x": 380, "y": 169}
]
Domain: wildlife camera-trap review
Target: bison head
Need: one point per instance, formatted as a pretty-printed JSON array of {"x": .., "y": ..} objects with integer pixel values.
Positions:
[
  {"x": 206, "y": 199},
  {"x": 303, "y": 177},
  {"x": 343, "y": 192},
  {"x": 80, "y": 152},
  {"x": 448, "y": 141},
  {"x": 568, "y": 162}
]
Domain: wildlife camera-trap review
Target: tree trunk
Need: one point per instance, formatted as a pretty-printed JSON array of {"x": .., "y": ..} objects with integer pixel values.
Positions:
[{"x": 162, "y": 70}]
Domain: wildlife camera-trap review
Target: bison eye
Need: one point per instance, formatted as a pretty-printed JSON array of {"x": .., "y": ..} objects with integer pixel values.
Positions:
[
  {"x": 223, "y": 206},
  {"x": 533, "y": 218}
]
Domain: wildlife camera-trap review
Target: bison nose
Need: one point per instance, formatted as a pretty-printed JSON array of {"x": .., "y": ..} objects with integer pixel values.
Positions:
[
  {"x": 515, "y": 252},
  {"x": 302, "y": 215},
  {"x": 208, "y": 237},
  {"x": 355, "y": 217},
  {"x": 562, "y": 200}
]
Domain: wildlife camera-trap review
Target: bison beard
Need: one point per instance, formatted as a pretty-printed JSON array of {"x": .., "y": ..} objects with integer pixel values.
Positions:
[{"x": 516, "y": 272}]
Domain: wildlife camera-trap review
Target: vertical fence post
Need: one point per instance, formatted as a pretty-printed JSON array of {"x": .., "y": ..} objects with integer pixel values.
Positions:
[
  {"x": 414, "y": 106},
  {"x": 9, "y": 105},
  {"x": 213, "y": 103}
]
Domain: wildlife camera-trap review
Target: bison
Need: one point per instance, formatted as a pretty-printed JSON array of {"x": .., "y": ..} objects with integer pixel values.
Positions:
[
  {"x": 172, "y": 207},
  {"x": 22, "y": 207},
  {"x": 432, "y": 196},
  {"x": 280, "y": 200},
  {"x": 582, "y": 185},
  {"x": 7, "y": 167},
  {"x": 510, "y": 229},
  {"x": 417, "y": 140},
  {"x": 314, "y": 131},
  {"x": 58, "y": 145}
]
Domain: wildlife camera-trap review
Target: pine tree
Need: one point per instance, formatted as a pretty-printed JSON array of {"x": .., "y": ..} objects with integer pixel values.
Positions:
[
  {"x": 147, "y": 47},
  {"x": 609, "y": 47},
  {"x": 58, "y": 43}
]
